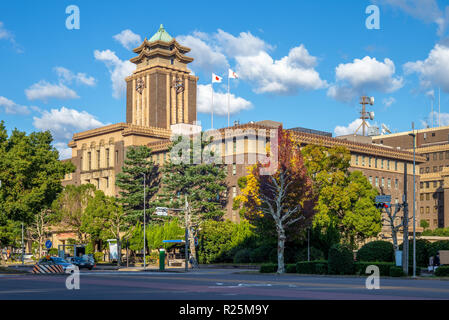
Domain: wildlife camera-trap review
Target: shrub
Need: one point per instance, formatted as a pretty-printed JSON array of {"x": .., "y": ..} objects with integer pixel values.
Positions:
[
  {"x": 396, "y": 271},
  {"x": 268, "y": 268},
  {"x": 290, "y": 268},
  {"x": 261, "y": 254},
  {"x": 98, "y": 256},
  {"x": 442, "y": 271},
  {"x": 312, "y": 267},
  {"x": 341, "y": 260},
  {"x": 315, "y": 254},
  {"x": 382, "y": 251},
  {"x": 437, "y": 246},
  {"x": 242, "y": 256},
  {"x": 384, "y": 267},
  {"x": 422, "y": 252}
]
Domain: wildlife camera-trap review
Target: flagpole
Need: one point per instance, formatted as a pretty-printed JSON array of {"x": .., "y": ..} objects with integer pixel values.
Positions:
[
  {"x": 229, "y": 103},
  {"x": 212, "y": 113}
]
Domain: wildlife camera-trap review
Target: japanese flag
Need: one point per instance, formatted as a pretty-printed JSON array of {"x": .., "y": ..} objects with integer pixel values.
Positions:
[
  {"x": 233, "y": 75},
  {"x": 216, "y": 79}
]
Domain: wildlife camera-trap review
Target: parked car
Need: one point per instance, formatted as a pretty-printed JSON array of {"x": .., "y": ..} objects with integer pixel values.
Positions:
[
  {"x": 67, "y": 266},
  {"x": 85, "y": 261}
]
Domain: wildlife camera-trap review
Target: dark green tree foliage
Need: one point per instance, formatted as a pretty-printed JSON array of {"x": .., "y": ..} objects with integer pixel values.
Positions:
[
  {"x": 341, "y": 260},
  {"x": 204, "y": 184},
  {"x": 31, "y": 175},
  {"x": 381, "y": 251},
  {"x": 131, "y": 181},
  {"x": 220, "y": 240},
  {"x": 156, "y": 233}
]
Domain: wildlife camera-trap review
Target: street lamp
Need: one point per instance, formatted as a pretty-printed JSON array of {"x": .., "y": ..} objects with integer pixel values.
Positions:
[{"x": 413, "y": 135}]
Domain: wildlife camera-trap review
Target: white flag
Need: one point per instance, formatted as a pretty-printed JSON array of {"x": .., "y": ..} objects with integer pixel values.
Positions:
[
  {"x": 216, "y": 79},
  {"x": 233, "y": 75}
]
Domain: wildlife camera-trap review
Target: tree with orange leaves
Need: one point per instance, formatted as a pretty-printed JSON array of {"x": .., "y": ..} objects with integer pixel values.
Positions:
[{"x": 284, "y": 197}]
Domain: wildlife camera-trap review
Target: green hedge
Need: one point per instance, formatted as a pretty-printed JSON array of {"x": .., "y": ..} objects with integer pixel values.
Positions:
[
  {"x": 396, "y": 271},
  {"x": 442, "y": 271},
  {"x": 384, "y": 267},
  {"x": 312, "y": 267},
  {"x": 268, "y": 268},
  {"x": 341, "y": 260},
  {"x": 290, "y": 268},
  {"x": 376, "y": 251},
  {"x": 242, "y": 256}
]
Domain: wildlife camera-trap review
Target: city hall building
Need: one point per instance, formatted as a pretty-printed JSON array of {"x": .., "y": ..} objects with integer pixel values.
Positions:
[{"x": 161, "y": 100}]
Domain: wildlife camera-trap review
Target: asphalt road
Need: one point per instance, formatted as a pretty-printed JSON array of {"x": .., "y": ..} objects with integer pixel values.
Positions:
[{"x": 214, "y": 285}]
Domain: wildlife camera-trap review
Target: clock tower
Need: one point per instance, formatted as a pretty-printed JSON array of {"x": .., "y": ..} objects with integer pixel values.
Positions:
[{"x": 161, "y": 92}]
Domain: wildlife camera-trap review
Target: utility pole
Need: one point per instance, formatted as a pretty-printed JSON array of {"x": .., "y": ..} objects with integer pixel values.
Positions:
[
  {"x": 22, "y": 246},
  {"x": 144, "y": 221},
  {"x": 405, "y": 228},
  {"x": 413, "y": 135},
  {"x": 186, "y": 215}
]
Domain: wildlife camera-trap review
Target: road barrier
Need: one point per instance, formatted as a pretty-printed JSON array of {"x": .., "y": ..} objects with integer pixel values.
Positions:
[{"x": 43, "y": 269}]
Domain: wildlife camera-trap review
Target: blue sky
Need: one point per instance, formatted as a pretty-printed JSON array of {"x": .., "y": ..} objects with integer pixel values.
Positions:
[{"x": 303, "y": 63}]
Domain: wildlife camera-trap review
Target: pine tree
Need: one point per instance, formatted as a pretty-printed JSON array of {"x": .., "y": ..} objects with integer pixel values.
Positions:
[{"x": 131, "y": 183}]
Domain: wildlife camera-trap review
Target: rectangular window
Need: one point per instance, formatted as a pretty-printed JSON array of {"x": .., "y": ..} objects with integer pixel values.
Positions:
[
  {"x": 421, "y": 185},
  {"x": 234, "y": 192},
  {"x": 435, "y": 169},
  {"x": 371, "y": 180},
  {"x": 421, "y": 197},
  {"x": 356, "y": 160},
  {"x": 382, "y": 164},
  {"x": 396, "y": 184},
  {"x": 98, "y": 159},
  {"x": 434, "y": 184},
  {"x": 421, "y": 170},
  {"x": 441, "y": 155},
  {"x": 427, "y": 196},
  {"x": 427, "y": 185},
  {"x": 234, "y": 169},
  {"x": 388, "y": 164},
  {"x": 421, "y": 210},
  {"x": 116, "y": 157},
  {"x": 383, "y": 182},
  {"x": 363, "y": 160},
  {"x": 427, "y": 169},
  {"x": 389, "y": 183},
  {"x": 395, "y": 166},
  {"x": 435, "y": 156},
  {"x": 377, "y": 181},
  {"x": 107, "y": 182},
  {"x": 375, "y": 163},
  {"x": 427, "y": 210},
  {"x": 369, "y": 161},
  {"x": 107, "y": 158},
  {"x": 89, "y": 159}
]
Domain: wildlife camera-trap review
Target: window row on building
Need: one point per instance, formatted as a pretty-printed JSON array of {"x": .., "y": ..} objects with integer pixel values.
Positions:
[
  {"x": 428, "y": 169},
  {"x": 442, "y": 155},
  {"x": 380, "y": 182},
  {"x": 431, "y": 184},
  {"x": 427, "y": 209},
  {"x": 375, "y": 162}
]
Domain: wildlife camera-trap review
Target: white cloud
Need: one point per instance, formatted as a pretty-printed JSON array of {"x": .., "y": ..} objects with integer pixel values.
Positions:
[
  {"x": 67, "y": 76},
  {"x": 118, "y": 69},
  {"x": 434, "y": 70},
  {"x": 64, "y": 151},
  {"x": 207, "y": 57},
  {"x": 388, "y": 101},
  {"x": 64, "y": 122},
  {"x": 128, "y": 39},
  {"x": 245, "y": 44},
  {"x": 44, "y": 91},
  {"x": 204, "y": 97},
  {"x": 350, "y": 129},
  {"x": 285, "y": 76},
  {"x": 9, "y": 36},
  {"x": 362, "y": 75},
  {"x": 425, "y": 10},
  {"x": 13, "y": 108}
]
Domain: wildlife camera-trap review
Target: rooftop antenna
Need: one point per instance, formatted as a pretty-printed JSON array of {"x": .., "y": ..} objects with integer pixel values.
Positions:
[{"x": 364, "y": 114}]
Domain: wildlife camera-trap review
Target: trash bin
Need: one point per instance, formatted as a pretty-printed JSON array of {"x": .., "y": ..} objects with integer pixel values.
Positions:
[
  {"x": 161, "y": 259},
  {"x": 398, "y": 256}
]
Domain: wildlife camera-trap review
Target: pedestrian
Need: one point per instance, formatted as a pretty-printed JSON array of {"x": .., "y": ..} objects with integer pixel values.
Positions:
[{"x": 436, "y": 262}]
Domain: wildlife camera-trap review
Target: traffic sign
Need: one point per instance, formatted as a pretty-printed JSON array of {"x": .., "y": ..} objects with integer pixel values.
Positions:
[
  {"x": 383, "y": 198},
  {"x": 160, "y": 211},
  {"x": 48, "y": 244},
  {"x": 173, "y": 241}
]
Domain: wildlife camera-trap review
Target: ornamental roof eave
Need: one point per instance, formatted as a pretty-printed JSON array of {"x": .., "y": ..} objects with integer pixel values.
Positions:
[
  {"x": 161, "y": 52},
  {"x": 150, "y": 44}
]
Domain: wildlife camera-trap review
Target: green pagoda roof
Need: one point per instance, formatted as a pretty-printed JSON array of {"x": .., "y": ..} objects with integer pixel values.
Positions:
[{"x": 161, "y": 35}]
